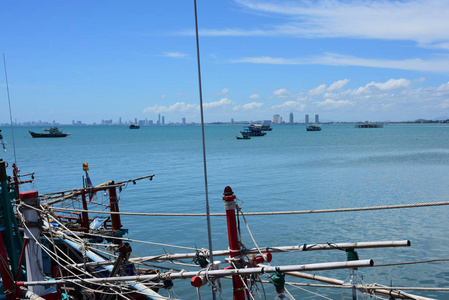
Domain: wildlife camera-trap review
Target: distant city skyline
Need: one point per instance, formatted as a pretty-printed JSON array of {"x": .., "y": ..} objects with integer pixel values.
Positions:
[{"x": 276, "y": 120}]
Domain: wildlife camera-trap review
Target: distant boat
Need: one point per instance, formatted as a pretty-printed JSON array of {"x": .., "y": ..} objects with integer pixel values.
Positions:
[
  {"x": 52, "y": 132},
  {"x": 369, "y": 125},
  {"x": 253, "y": 130},
  {"x": 266, "y": 127},
  {"x": 313, "y": 127},
  {"x": 132, "y": 126},
  {"x": 243, "y": 137}
]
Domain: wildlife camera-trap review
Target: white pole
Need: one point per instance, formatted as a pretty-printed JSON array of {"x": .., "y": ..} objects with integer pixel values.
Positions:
[
  {"x": 32, "y": 233},
  {"x": 309, "y": 247},
  {"x": 386, "y": 292},
  {"x": 217, "y": 273}
]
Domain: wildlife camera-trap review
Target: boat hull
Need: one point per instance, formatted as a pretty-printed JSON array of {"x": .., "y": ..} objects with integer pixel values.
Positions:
[{"x": 47, "y": 135}]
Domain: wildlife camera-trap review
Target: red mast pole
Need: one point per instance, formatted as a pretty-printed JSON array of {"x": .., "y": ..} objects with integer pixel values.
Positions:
[
  {"x": 84, "y": 214},
  {"x": 115, "y": 218},
  {"x": 234, "y": 246}
]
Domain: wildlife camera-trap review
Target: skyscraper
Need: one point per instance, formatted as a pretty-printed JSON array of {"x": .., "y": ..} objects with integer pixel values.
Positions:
[
  {"x": 317, "y": 118},
  {"x": 276, "y": 119},
  {"x": 291, "y": 118},
  {"x": 306, "y": 119}
]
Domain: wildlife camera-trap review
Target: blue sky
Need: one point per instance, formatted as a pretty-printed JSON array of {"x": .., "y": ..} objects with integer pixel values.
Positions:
[{"x": 345, "y": 60}]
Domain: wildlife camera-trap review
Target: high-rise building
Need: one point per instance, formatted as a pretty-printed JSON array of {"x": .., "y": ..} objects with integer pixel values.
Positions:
[
  {"x": 306, "y": 119},
  {"x": 135, "y": 120},
  {"x": 163, "y": 120},
  {"x": 317, "y": 118},
  {"x": 276, "y": 119},
  {"x": 183, "y": 121},
  {"x": 291, "y": 118},
  {"x": 158, "y": 119}
]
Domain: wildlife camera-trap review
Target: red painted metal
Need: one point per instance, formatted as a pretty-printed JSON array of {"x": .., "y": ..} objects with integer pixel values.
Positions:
[
  {"x": 29, "y": 195},
  {"x": 197, "y": 281},
  {"x": 84, "y": 214},
  {"x": 228, "y": 196},
  {"x": 6, "y": 274},
  {"x": 15, "y": 176},
  {"x": 113, "y": 202},
  {"x": 22, "y": 255}
]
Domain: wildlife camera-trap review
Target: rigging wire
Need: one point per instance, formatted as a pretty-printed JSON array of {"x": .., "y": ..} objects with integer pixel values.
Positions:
[
  {"x": 10, "y": 114},
  {"x": 209, "y": 230}
]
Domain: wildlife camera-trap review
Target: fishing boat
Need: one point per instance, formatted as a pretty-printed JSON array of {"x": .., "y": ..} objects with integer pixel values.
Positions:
[
  {"x": 369, "y": 125},
  {"x": 52, "y": 132},
  {"x": 266, "y": 126},
  {"x": 253, "y": 130},
  {"x": 134, "y": 126},
  {"x": 70, "y": 256},
  {"x": 313, "y": 127},
  {"x": 243, "y": 137}
]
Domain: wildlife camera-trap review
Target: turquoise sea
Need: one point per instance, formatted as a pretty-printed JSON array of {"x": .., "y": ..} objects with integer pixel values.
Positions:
[{"x": 289, "y": 169}]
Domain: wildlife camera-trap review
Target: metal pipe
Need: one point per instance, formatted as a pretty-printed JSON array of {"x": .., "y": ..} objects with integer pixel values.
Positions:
[
  {"x": 214, "y": 273},
  {"x": 314, "y": 247},
  {"x": 234, "y": 246},
  {"x": 386, "y": 292}
]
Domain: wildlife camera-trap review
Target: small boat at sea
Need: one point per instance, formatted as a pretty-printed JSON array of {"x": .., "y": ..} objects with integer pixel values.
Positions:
[
  {"x": 243, "y": 137},
  {"x": 52, "y": 132},
  {"x": 313, "y": 127},
  {"x": 253, "y": 130},
  {"x": 266, "y": 127},
  {"x": 133, "y": 126},
  {"x": 369, "y": 125}
]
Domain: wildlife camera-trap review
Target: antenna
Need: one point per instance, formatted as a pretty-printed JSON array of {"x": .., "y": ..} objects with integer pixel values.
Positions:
[
  {"x": 209, "y": 234},
  {"x": 10, "y": 114}
]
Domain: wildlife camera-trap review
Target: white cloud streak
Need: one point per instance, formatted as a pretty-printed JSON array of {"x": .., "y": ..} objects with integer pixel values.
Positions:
[
  {"x": 423, "y": 21},
  {"x": 175, "y": 54},
  {"x": 440, "y": 64}
]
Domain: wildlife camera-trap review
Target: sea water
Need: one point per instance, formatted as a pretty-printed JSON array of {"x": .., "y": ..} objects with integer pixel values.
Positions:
[{"x": 289, "y": 169}]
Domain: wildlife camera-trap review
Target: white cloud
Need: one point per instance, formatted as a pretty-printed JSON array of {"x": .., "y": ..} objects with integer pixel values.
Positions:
[
  {"x": 281, "y": 93},
  {"x": 222, "y": 92},
  {"x": 331, "y": 104},
  {"x": 439, "y": 64},
  {"x": 443, "y": 87},
  {"x": 218, "y": 104},
  {"x": 318, "y": 90},
  {"x": 248, "y": 106},
  {"x": 423, "y": 21},
  {"x": 290, "y": 105},
  {"x": 338, "y": 85},
  {"x": 254, "y": 96},
  {"x": 180, "y": 107},
  {"x": 175, "y": 54},
  {"x": 163, "y": 96},
  {"x": 390, "y": 85}
]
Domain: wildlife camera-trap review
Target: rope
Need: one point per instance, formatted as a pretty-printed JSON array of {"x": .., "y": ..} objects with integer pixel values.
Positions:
[{"x": 294, "y": 212}]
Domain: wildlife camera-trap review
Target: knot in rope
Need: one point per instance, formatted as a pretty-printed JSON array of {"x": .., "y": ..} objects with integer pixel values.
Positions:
[
  {"x": 230, "y": 205},
  {"x": 166, "y": 276}
]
